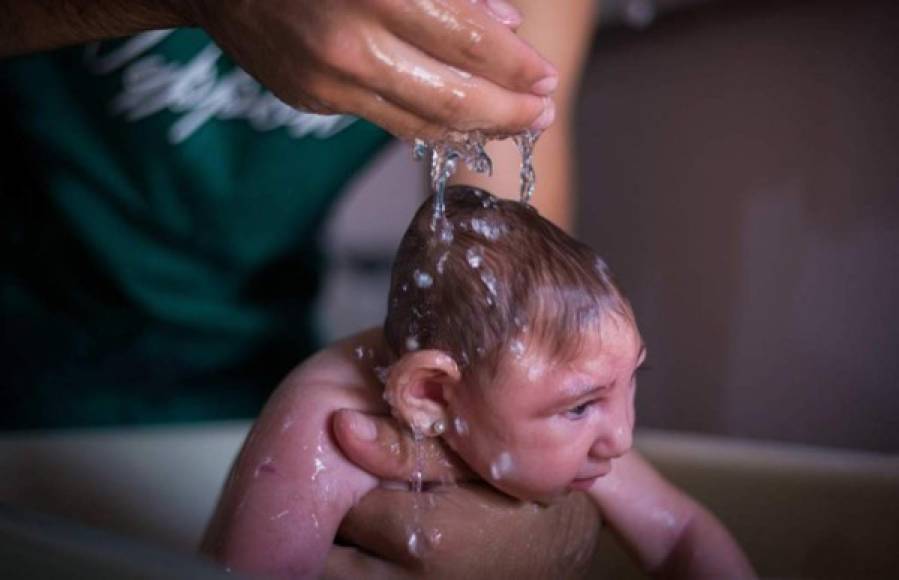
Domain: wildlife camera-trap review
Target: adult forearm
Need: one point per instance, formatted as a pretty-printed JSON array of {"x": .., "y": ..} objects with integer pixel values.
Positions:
[{"x": 35, "y": 25}]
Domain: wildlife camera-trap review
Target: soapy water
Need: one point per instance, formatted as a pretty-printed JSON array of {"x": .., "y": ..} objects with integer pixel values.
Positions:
[{"x": 470, "y": 149}]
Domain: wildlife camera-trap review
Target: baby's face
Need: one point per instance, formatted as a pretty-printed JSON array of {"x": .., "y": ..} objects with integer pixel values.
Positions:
[{"x": 544, "y": 428}]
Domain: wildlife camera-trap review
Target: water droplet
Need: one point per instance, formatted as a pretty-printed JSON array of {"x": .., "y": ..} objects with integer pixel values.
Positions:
[
  {"x": 414, "y": 545},
  {"x": 279, "y": 515},
  {"x": 525, "y": 142},
  {"x": 502, "y": 466},
  {"x": 412, "y": 343},
  {"x": 359, "y": 352},
  {"x": 319, "y": 466},
  {"x": 419, "y": 150},
  {"x": 460, "y": 425},
  {"x": 435, "y": 537},
  {"x": 441, "y": 262},
  {"x": 491, "y": 231},
  {"x": 517, "y": 348},
  {"x": 474, "y": 257},
  {"x": 422, "y": 279},
  {"x": 489, "y": 281},
  {"x": 383, "y": 373}
]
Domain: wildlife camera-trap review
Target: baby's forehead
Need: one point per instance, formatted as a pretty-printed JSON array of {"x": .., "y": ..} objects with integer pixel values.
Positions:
[{"x": 613, "y": 340}]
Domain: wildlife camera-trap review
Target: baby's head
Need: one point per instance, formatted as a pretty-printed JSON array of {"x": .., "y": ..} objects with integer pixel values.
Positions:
[{"x": 512, "y": 342}]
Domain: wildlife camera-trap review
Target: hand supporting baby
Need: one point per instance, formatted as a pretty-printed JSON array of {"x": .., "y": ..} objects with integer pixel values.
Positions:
[{"x": 484, "y": 534}]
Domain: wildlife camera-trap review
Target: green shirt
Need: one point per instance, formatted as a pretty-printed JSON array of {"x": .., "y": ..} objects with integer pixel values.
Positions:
[{"x": 161, "y": 214}]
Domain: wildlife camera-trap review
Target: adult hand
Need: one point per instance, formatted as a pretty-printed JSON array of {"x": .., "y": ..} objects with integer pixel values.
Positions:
[
  {"x": 483, "y": 534},
  {"x": 418, "y": 68}
]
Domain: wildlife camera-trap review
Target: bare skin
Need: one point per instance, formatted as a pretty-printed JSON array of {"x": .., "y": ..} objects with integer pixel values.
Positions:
[
  {"x": 291, "y": 489},
  {"x": 394, "y": 63}
]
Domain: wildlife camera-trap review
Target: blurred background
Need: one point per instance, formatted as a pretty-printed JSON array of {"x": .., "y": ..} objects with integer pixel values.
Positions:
[{"x": 738, "y": 172}]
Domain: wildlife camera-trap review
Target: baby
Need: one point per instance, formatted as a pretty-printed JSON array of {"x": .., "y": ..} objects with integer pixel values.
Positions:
[{"x": 509, "y": 340}]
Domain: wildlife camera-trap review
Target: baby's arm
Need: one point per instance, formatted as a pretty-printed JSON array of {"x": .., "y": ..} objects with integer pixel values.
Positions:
[
  {"x": 291, "y": 486},
  {"x": 670, "y": 534}
]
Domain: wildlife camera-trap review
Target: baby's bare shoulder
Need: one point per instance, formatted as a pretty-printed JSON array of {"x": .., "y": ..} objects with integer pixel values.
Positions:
[{"x": 339, "y": 377}]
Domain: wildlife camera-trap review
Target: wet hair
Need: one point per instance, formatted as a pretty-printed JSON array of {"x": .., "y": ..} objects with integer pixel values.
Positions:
[{"x": 492, "y": 278}]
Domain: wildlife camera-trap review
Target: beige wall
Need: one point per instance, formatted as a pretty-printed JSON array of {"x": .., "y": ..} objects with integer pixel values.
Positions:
[{"x": 740, "y": 172}]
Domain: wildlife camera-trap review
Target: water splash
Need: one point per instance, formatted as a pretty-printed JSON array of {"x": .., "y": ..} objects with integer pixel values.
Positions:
[
  {"x": 525, "y": 142},
  {"x": 469, "y": 148}
]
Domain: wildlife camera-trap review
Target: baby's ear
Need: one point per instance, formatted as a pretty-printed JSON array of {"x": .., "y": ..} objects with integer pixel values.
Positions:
[{"x": 416, "y": 389}]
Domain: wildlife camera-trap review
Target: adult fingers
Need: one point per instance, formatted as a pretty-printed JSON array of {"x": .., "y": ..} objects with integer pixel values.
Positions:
[
  {"x": 445, "y": 96},
  {"x": 380, "y": 446},
  {"x": 472, "y": 38},
  {"x": 346, "y": 563},
  {"x": 471, "y": 531}
]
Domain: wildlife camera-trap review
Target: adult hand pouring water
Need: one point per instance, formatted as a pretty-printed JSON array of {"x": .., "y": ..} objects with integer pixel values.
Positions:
[{"x": 416, "y": 68}]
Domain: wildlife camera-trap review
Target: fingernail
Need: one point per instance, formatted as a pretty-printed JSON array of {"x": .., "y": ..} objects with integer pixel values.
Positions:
[
  {"x": 546, "y": 117},
  {"x": 545, "y": 86},
  {"x": 363, "y": 427},
  {"x": 504, "y": 12}
]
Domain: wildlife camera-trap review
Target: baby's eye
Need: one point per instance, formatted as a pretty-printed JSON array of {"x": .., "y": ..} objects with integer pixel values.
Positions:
[{"x": 579, "y": 411}]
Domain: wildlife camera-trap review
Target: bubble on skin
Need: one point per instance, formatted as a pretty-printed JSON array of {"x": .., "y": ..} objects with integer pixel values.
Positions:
[
  {"x": 502, "y": 466},
  {"x": 280, "y": 515},
  {"x": 412, "y": 343},
  {"x": 422, "y": 279},
  {"x": 441, "y": 262},
  {"x": 474, "y": 257},
  {"x": 460, "y": 425}
]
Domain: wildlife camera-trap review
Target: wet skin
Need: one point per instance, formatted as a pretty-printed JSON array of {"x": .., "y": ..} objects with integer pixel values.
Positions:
[
  {"x": 418, "y": 69},
  {"x": 291, "y": 488}
]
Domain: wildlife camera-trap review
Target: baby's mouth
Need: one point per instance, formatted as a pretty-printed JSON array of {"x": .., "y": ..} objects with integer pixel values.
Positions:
[{"x": 586, "y": 481}]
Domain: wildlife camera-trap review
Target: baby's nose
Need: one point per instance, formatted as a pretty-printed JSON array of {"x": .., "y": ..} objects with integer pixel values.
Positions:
[{"x": 615, "y": 440}]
